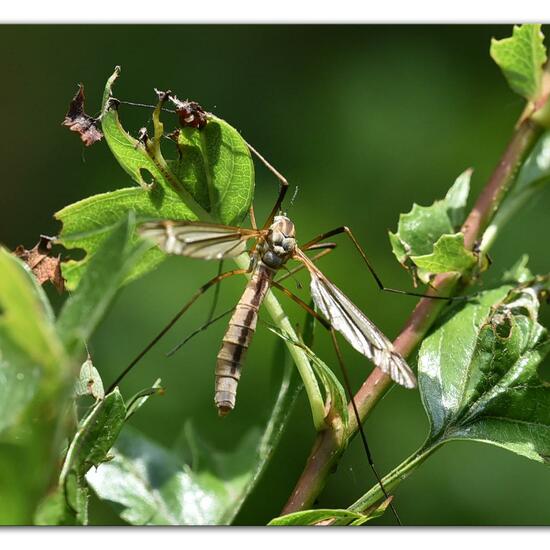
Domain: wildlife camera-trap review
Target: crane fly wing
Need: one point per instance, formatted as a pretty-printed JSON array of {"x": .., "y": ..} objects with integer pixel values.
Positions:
[
  {"x": 198, "y": 239},
  {"x": 356, "y": 328}
]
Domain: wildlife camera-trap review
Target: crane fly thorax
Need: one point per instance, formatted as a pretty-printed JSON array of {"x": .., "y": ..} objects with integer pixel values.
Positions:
[{"x": 279, "y": 244}]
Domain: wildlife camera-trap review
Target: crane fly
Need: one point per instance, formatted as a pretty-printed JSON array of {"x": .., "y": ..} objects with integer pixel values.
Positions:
[{"x": 274, "y": 246}]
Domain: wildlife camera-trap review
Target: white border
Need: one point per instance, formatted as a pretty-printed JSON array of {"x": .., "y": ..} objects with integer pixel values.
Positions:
[
  {"x": 235, "y": 538},
  {"x": 276, "y": 11}
]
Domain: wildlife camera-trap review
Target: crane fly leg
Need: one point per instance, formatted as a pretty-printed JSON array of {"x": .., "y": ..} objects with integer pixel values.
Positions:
[
  {"x": 343, "y": 229},
  {"x": 282, "y": 180},
  {"x": 326, "y": 324},
  {"x": 349, "y": 391},
  {"x": 173, "y": 321},
  {"x": 326, "y": 248}
]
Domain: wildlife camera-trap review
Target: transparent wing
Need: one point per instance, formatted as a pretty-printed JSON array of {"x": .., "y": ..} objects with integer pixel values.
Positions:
[
  {"x": 356, "y": 328},
  {"x": 198, "y": 239}
]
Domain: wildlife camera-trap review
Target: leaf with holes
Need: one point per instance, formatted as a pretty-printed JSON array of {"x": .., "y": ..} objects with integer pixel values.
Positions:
[
  {"x": 478, "y": 373},
  {"x": 211, "y": 180}
]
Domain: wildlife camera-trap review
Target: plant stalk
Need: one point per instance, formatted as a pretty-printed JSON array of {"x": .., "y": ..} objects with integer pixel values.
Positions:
[
  {"x": 300, "y": 358},
  {"x": 325, "y": 453}
]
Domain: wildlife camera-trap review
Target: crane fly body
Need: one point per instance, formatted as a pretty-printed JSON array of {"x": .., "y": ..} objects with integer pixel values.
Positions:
[{"x": 274, "y": 247}]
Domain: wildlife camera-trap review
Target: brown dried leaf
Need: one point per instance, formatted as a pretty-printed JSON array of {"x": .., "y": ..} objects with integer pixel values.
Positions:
[
  {"x": 78, "y": 121},
  {"x": 44, "y": 267}
]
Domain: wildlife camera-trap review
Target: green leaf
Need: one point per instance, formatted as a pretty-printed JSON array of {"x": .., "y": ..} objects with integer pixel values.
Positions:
[
  {"x": 212, "y": 180},
  {"x": 96, "y": 433},
  {"x": 195, "y": 484},
  {"x": 87, "y": 223},
  {"x": 35, "y": 374},
  {"x": 216, "y": 161},
  {"x": 107, "y": 270},
  {"x": 449, "y": 254},
  {"x": 336, "y": 401},
  {"x": 478, "y": 374},
  {"x": 89, "y": 381},
  {"x": 519, "y": 272},
  {"x": 332, "y": 517},
  {"x": 140, "y": 398},
  {"x": 312, "y": 517},
  {"x": 533, "y": 176},
  {"x": 457, "y": 197},
  {"x": 521, "y": 58},
  {"x": 150, "y": 486},
  {"x": 139, "y": 157},
  {"x": 420, "y": 230}
]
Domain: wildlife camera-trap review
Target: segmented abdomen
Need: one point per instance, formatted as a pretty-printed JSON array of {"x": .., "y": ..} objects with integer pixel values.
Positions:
[{"x": 237, "y": 339}]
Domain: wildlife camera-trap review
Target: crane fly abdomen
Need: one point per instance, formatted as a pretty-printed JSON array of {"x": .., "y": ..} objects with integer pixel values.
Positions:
[{"x": 238, "y": 337}]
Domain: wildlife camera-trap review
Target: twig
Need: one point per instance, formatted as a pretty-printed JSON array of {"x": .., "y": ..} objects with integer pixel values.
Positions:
[{"x": 326, "y": 452}]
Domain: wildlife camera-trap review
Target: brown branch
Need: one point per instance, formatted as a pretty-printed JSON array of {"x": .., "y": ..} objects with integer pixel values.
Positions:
[{"x": 326, "y": 451}]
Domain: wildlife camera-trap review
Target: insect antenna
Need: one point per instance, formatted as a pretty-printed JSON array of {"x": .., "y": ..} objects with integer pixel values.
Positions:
[{"x": 349, "y": 391}]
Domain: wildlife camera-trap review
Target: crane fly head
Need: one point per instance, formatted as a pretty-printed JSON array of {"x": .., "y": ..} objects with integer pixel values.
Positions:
[{"x": 280, "y": 242}]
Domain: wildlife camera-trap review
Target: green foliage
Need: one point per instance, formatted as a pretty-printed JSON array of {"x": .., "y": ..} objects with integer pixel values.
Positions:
[
  {"x": 449, "y": 254},
  {"x": 194, "y": 484},
  {"x": 89, "y": 381},
  {"x": 478, "y": 374},
  {"x": 533, "y": 176},
  {"x": 336, "y": 402},
  {"x": 212, "y": 180},
  {"x": 331, "y": 517},
  {"x": 107, "y": 270},
  {"x": 521, "y": 58},
  {"x": 94, "y": 437},
  {"x": 35, "y": 371},
  {"x": 426, "y": 241}
]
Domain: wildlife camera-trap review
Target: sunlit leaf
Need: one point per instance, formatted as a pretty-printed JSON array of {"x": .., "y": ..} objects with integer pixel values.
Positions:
[
  {"x": 312, "y": 517},
  {"x": 336, "y": 402},
  {"x": 216, "y": 161},
  {"x": 449, "y": 254},
  {"x": 108, "y": 269},
  {"x": 424, "y": 227},
  {"x": 521, "y": 58},
  {"x": 332, "y": 517},
  {"x": 89, "y": 381},
  {"x": 478, "y": 374},
  {"x": 212, "y": 179},
  {"x": 195, "y": 484},
  {"x": 139, "y": 399}
]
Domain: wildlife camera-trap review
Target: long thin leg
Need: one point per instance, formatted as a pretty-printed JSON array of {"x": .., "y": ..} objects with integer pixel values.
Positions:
[
  {"x": 199, "y": 330},
  {"x": 302, "y": 304},
  {"x": 326, "y": 248},
  {"x": 347, "y": 231},
  {"x": 195, "y": 296},
  {"x": 349, "y": 391},
  {"x": 282, "y": 181},
  {"x": 252, "y": 216},
  {"x": 216, "y": 295},
  {"x": 347, "y": 383}
]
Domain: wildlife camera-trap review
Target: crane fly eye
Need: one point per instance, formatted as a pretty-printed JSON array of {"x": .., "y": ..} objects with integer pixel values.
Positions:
[
  {"x": 288, "y": 244},
  {"x": 277, "y": 238}
]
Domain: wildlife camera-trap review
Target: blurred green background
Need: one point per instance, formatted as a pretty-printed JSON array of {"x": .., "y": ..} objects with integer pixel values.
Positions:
[{"x": 365, "y": 120}]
